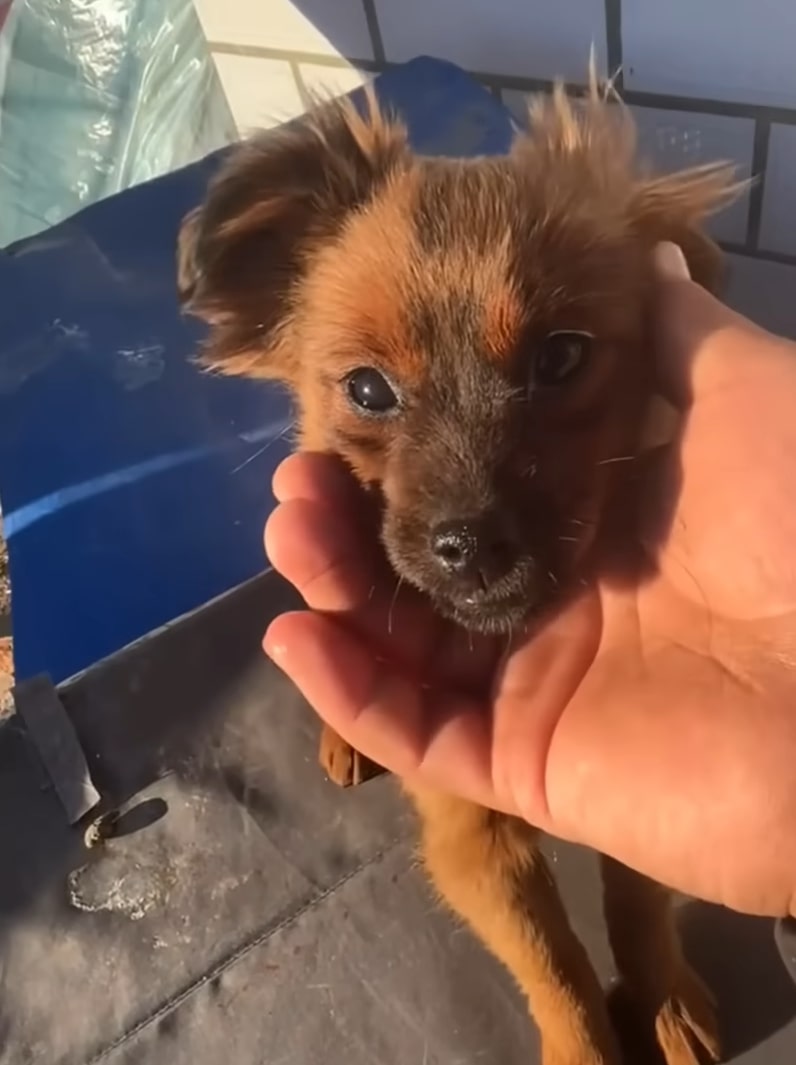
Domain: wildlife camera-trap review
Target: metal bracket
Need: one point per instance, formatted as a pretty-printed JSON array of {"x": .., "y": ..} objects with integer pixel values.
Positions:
[{"x": 53, "y": 735}]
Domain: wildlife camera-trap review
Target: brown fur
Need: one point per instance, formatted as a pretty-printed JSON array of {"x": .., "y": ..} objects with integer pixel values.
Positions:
[{"x": 328, "y": 246}]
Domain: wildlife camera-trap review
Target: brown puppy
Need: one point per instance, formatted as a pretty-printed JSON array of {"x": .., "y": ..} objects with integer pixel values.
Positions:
[{"x": 471, "y": 337}]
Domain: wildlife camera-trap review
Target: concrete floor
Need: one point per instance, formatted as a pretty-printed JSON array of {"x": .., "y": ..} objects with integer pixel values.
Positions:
[{"x": 248, "y": 911}]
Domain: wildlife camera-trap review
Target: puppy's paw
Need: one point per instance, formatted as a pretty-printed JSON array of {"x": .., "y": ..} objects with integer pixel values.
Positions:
[
  {"x": 579, "y": 1056},
  {"x": 343, "y": 765},
  {"x": 686, "y": 1025},
  {"x": 577, "y": 1052},
  {"x": 337, "y": 758}
]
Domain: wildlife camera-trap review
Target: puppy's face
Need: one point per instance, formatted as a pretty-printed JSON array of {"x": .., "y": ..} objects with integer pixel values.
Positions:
[{"x": 470, "y": 336}]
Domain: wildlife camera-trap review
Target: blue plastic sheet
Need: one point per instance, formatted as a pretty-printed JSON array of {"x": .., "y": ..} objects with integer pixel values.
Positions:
[{"x": 134, "y": 488}]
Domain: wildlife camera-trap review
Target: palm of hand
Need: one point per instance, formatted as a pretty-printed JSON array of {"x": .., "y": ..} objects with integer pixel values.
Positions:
[
  {"x": 684, "y": 716},
  {"x": 672, "y": 700}
]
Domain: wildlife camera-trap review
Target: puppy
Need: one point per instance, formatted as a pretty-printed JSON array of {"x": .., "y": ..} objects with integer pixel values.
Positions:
[{"x": 471, "y": 337}]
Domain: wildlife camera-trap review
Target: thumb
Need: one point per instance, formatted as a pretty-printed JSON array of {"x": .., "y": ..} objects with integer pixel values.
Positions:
[{"x": 700, "y": 343}]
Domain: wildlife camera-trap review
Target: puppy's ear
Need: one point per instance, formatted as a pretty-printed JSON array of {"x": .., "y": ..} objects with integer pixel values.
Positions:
[
  {"x": 593, "y": 139},
  {"x": 243, "y": 254},
  {"x": 187, "y": 266}
]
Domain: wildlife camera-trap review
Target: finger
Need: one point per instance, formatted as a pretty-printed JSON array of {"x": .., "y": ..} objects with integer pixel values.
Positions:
[
  {"x": 385, "y": 714},
  {"x": 361, "y": 579},
  {"x": 701, "y": 345},
  {"x": 536, "y": 685},
  {"x": 336, "y": 570},
  {"x": 316, "y": 476},
  {"x": 316, "y": 541},
  {"x": 322, "y": 555}
]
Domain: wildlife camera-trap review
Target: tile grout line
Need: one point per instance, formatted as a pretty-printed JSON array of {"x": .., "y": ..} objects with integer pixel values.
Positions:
[
  {"x": 661, "y": 101},
  {"x": 301, "y": 86},
  {"x": 613, "y": 43},
  {"x": 760, "y": 255},
  {"x": 636, "y": 97},
  {"x": 496, "y": 84},
  {"x": 757, "y": 191},
  {"x": 374, "y": 29},
  {"x": 319, "y": 59}
]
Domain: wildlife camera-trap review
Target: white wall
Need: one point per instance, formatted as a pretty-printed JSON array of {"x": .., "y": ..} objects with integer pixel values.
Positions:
[{"x": 707, "y": 78}]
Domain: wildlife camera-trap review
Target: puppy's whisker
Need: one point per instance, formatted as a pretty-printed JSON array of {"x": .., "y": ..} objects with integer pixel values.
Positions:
[
  {"x": 616, "y": 458},
  {"x": 581, "y": 524},
  {"x": 553, "y": 578},
  {"x": 509, "y": 638},
  {"x": 261, "y": 451},
  {"x": 393, "y": 601},
  {"x": 251, "y": 458},
  {"x": 570, "y": 539}
]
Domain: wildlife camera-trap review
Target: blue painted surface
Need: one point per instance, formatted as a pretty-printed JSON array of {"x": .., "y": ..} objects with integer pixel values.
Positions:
[{"x": 135, "y": 488}]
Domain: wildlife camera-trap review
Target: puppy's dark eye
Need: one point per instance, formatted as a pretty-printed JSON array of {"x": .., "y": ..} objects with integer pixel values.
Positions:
[
  {"x": 371, "y": 391},
  {"x": 560, "y": 357}
]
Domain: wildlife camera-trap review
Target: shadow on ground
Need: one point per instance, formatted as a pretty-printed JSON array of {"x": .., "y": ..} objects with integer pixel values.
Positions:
[{"x": 738, "y": 958}]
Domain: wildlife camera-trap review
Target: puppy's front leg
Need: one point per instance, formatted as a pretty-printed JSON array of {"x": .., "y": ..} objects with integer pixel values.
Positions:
[
  {"x": 487, "y": 867},
  {"x": 660, "y": 982}
]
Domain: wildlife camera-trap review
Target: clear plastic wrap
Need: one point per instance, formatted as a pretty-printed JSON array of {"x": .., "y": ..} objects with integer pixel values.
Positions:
[{"x": 99, "y": 95}]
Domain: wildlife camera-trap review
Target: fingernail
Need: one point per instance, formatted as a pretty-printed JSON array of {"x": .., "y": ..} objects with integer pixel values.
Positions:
[
  {"x": 662, "y": 424},
  {"x": 273, "y": 647},
  {"x": 670, "y": 262}
]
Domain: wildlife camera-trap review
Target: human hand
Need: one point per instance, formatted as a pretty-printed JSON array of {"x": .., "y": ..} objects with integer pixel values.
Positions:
[{"x": 655, "y": 723}]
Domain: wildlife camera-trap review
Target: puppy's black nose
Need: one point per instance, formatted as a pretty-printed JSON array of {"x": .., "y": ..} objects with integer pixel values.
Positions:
[{"x": 473, "y": 549}]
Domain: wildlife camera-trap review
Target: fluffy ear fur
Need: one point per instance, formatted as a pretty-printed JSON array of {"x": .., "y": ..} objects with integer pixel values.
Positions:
[
  {"x": 675, "y": 207},
  {"x": 242, "y": 253},
  {"x": 595, "y": 136}
]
